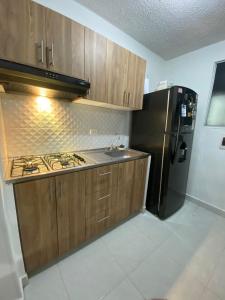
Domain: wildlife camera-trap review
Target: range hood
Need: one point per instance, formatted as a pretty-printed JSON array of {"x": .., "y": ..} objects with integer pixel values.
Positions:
[{"x": 19, "y": 78}]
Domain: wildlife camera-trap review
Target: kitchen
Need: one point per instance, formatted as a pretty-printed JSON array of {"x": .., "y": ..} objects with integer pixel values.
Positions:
[{"x": 36, "y": 125}]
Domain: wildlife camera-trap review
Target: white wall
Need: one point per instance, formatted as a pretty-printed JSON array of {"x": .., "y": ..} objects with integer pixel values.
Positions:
[
  {"x": 11, "y": 263},
  {"x": 84, "y": 16},
  {"x": 207, "y": 170}
]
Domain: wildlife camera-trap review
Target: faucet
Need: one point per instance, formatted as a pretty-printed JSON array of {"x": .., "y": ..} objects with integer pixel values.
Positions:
[{"x": 116, "y": 146}]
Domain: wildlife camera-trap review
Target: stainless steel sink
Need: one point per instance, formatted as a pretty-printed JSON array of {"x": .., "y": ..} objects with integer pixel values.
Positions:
[{"x": 119, "y": 153}]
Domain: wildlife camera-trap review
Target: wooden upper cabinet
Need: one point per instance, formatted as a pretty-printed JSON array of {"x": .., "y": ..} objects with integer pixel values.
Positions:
[
  {"x": 138, "y": 187},
  {"x": 22, "y": 32},
  {"x": 95, "y": 64},
  {"x": 36, "y": 211},
  {"x": 131, "y": 81},
  {"x": 116, "y": 73},
  {"x": 135, "y": 81},
  {"x": 125, "y": 75},
  {"x": 64, "y": 45},
  {"x": 140, "y": 80},
  {"x": 70, "y": 195}
]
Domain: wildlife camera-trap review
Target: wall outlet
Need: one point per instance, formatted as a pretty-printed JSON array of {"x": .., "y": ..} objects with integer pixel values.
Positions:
[{"x": 93, "y": 131}]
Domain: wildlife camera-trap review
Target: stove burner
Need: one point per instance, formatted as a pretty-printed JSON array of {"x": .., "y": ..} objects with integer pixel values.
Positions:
[
  {"x": 29, "y": 165},
  {"x": 30, "y": 168},
  {"x": 64, "y": 162}
]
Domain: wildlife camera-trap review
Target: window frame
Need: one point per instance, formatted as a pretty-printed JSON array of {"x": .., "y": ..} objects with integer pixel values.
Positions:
[{"x": 210, "y": 95}]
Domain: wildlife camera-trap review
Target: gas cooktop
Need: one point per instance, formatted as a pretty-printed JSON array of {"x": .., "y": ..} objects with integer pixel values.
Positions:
[{"x": 28, "y": 165}]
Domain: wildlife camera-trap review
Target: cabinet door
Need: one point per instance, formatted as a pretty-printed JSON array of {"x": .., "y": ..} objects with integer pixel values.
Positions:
[
  {"x": 95, "y": 64},
  {"x": 101, "y": 191},
  {"x": 116, "y": 73},
  {"x": 65, "y": 45},
  {"x": 131, "y": 81},
  {"x": 70, "y": 193},
  {"x": 140, "y": 80},
  {"x": 36, "y": 211},
  {"x": 140, "y": 169},
  {"x": 135, "y": 81},
  {"x": 122, "y": 204},
  {"x": 22, "y": 32}
]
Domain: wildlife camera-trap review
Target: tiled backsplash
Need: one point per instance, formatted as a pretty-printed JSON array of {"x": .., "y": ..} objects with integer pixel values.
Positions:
[{"x": 36, "y": 125}]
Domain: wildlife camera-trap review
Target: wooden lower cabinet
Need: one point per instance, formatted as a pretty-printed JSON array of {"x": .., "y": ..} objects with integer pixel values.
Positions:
[
  {"x": 138, "y": 187},
  {"x": 57, "y": 214},
  {"x": 36, "y": 211},
  {"x": 121, "y": 204},
  {"x": 101, "y": 192},
  {"x": 70, "y": 195}
]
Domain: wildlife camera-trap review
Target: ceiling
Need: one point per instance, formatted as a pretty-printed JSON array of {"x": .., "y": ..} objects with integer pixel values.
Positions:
[{"x": 168, "y": 27}]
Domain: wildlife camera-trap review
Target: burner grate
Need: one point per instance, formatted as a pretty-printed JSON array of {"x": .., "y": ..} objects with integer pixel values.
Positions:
[
  {"x": 59, "y": 161},
  {"x": 28, "y": 165}
]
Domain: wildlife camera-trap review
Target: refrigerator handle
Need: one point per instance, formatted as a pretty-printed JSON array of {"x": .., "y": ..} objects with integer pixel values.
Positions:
[{"x": 174, "y": 153}]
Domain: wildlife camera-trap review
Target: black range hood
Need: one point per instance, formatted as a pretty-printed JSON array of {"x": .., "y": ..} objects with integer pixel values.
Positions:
[{"x": 19, "y": 78}]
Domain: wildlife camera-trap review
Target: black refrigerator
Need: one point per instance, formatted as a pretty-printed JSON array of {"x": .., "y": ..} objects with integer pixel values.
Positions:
[{"x": 165, "y": 129}]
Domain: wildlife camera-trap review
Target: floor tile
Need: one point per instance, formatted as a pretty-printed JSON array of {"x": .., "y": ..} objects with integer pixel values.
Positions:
[
  {"x": 129, "y": 246},
  {"x": 182, "y": 257},
  {"x": 186, "y": 287},
  {"x": 47, "y": 285},
  {"x": 153, "y": 228},
  {"x": 125, "y": 291},
  {"x": 155, "y": 276},
  {"x": 175, "y": 249},
  {"x": 90, "y": 273},
  {"x": 217, "y": 282},
  {"x": 208, "y": 295}
]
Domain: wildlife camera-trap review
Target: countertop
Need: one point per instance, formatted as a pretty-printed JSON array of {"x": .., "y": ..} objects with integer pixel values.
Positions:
[{"x": 94, "y": 157}]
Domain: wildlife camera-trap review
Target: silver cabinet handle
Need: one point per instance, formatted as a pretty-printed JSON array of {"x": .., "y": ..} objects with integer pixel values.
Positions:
[
  {"x": 128, "y": 100},
  {"x": 40, "y": 48},
  {"x": 103, "y": 219},
  {"x": 124, "y": 98},
  {"x": 107, "y": 196},
  {"x": 106, "y": 173},
  {"x": 50, "y": 55}
]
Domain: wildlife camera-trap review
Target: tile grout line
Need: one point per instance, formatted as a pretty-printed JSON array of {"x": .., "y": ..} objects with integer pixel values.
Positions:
[{"x": 64, "y": 284}]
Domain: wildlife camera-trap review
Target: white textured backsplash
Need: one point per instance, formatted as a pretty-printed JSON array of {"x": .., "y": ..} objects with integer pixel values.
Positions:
[{"x": 35, "y": 125}]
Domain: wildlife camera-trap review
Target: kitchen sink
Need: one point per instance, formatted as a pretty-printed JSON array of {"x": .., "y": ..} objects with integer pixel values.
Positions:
[{"x": 119, "y": 153}]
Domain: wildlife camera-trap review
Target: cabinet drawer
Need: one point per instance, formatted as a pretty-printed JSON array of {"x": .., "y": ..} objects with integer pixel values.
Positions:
[
  {"x": 99, "y": 181},
  {"x": 97, "y": 204},
  {"x": 98, "y": 224}
]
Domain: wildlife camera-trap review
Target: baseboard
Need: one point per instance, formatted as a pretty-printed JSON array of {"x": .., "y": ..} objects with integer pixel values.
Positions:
[
  {"x": 24, "y": 280},
  {"x": 208, "y": 206},
  {"x": 21, "y": 288}
]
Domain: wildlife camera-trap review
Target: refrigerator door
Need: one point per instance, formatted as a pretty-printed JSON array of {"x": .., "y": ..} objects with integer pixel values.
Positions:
[
  {"x": 148, "y": 130},
  {"x": 175, "y": 174}
]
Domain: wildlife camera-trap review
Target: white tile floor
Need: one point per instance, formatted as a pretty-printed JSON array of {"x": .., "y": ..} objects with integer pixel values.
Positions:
[{"x": 145, "y": 258}]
